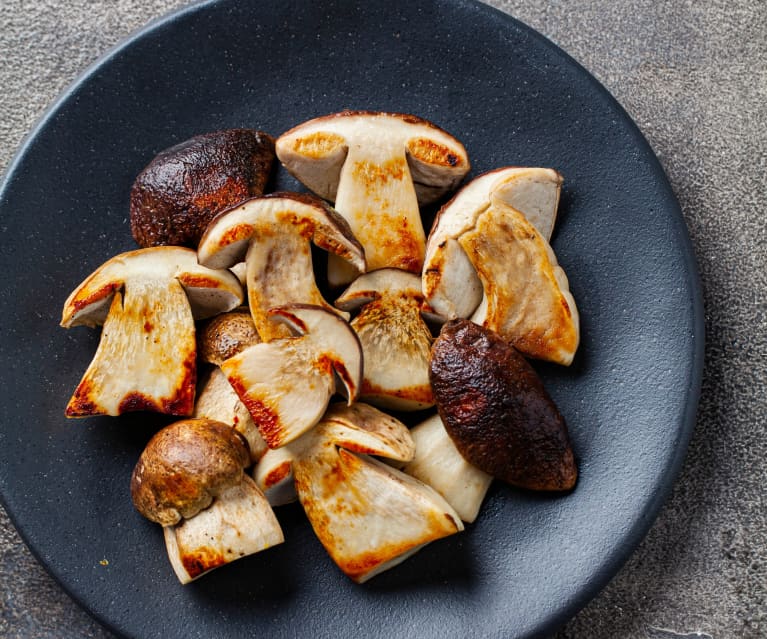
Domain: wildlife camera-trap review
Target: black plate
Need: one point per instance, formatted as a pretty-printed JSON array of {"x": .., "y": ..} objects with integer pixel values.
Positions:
[{"x": 530, "y": 561}]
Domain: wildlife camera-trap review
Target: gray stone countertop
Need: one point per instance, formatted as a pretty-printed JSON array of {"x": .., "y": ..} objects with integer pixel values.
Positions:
[{"x": 693, "y": 75}]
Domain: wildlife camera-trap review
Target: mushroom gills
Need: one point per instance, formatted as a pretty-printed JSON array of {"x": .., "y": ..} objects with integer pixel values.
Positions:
[
  {"x": 439, "y": 464},
  {"x": 238, "y": 523}
]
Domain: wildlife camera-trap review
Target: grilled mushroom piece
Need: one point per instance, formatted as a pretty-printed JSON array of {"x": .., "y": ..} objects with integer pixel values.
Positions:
[
  {"x": 438, "y": 463},
  {"x": 190, "y": 479},
  {"x": 182, "y": 189},
  {"x": 286, "y": 384},
  {"x": 368, "y": 515},
  {"x": 496, "y": 410},
  {"x": 147, "y": 301},
  {"x": 219, "y": 339},
  {"x": 486, "y": 260},
  {"x": 273, "y": 234},
  {"x": 396, "y": 342},
  {"x": 377, "y": 168}
]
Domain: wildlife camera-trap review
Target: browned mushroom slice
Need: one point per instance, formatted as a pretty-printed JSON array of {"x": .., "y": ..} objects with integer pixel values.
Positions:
[
  {"x": 274, "y": 475},
  {"x": 147, "y": 300},
  {"x": 274, "y": 234},
  {"x": 396, "y": 343},
  {"x": 376, "y": 167},
  {"x": 287, "y": 383},
  {"x": 368, "y": 515},
  {"x": 190, "y": 479},
  {"x": 182, "y": 189},
  {"x": 486, "y": 260},
  {"x": 439, "y": 464},
  {"x": 496, "y": 410}
]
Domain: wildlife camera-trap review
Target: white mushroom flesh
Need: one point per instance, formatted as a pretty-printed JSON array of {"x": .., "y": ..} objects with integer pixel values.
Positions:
[{"x": 238, "y": 523}]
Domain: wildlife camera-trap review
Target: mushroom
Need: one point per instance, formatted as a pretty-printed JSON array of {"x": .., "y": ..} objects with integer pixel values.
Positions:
[
  {"x": 274, "y": 475},
  {"x": 183, "y": 188},
  {"x": 287, "y": 383},
  {"x": 439, "y": 464},
  {"x": 396, "y": 342},
  {"x": 496, "y": 410},
  {"x": 486, "y": 260},
  {"x": 368, "y": 515},
  {"x": 274, "y": 234},
  {"x": 376, "y": 167},
  {"x": 190, "y": 479},
  {"x": 219, "y": 339},
  {"x": 147, "y": 301}
]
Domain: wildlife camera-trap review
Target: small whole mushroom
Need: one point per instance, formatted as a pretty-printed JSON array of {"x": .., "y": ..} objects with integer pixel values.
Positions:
[{"x": 190, "y": 479}]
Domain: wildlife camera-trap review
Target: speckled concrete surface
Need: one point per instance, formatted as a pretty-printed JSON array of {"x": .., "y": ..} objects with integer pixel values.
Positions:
[{"x": 693, "y": 74}]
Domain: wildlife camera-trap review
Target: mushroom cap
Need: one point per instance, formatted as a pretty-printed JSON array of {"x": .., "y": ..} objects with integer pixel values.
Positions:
[
  {"x": 225, "y": 335},
  {"x": 396, "y": 342},
  {"x": 286, "y": 384},
  {"x": 184, "y": 466},
  {"x": 175, "y": 197},
  {"x": 315, "y": 151},
  {"x": 225, "y": 241},
  {"x": 209, "y": 291},
  {"x": 450, "y": 283},
  {"x": 497, "y": 411}
]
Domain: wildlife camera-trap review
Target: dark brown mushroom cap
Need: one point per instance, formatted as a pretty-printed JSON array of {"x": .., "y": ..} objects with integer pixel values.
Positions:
[
  {"x": 225, "y": 335},
  {"x": 184, "y": 187},
  {"x": 496, "y": 410},
  {"x": 184, "y": 466}
]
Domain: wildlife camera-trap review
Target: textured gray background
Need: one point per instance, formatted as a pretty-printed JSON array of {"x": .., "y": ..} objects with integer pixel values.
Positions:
[{"x": 693, "y": 74}]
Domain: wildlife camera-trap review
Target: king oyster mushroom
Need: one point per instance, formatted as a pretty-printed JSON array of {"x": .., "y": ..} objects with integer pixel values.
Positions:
[
  {"x": 396, "y": 342},
  {"x": 218, "y": 339},
  {"x": 368, "y": 515},
  {"x": 183, "y": 188},
  {"x": 147, "y": 301},
  {"x": 486, "y": 260},
  {"x": 377, "y": 168},
  {"x": 190, "y": 479},
  {"x": 438, "y": 463},
  {"x": 286, "y": 384},
  {"x": 274, "y": 234}
]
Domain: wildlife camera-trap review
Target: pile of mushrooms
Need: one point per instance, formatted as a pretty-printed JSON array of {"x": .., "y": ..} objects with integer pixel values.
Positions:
[{"x": 254, "y": 379}]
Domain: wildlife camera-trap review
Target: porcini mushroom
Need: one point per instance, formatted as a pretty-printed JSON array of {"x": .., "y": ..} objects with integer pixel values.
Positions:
[
  {"x": 486, "y": 260},
  {"x": 368, "y": 515},
  {"x": 274, "y": 234},
  {"x": 183, "y": 188},
  {"x": 190, "y": 479},
  {"x": 147, "y": 301},
  {"x": 219, "y": 339},
  {"x": 286, "y": 384},
  {"x": 377, "y": 168},
  {"x": 396, "y": 342},
  {"x": 438, "y": 463}
]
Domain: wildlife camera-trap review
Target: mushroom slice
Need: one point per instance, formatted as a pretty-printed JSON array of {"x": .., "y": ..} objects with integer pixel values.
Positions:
[
  {"x": 376, "y": 167},
  {"x": 147, "y": 300},
  {"x": 273, "y": 234},
  {"x": 368, "y": 515},
  {"x": 487, "y": 261},
  {"x": 274, "y": 476},
  {"x": 219, "y": 339},
  {"x": 438, "y": 463},
  {"x": 396, "y": 343},
  {"x": 240, "y": 522},
  {"x": 286, "y": 384},
  {"x": 190, "y": 479}
]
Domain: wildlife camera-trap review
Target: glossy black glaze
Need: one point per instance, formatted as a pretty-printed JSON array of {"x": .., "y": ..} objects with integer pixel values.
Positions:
[{"x": 529, "y": 562}]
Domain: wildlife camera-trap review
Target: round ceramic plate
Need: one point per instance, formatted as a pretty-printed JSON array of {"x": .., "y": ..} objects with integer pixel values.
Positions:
[{"x": 530, "y": 560}]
